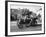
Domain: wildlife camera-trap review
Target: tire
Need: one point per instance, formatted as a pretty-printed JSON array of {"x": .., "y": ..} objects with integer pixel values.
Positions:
[{"x": 20, "y": 26}]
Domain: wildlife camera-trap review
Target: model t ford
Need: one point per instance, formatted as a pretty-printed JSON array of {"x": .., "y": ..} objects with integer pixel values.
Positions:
[{"x": 27, "y": 20}]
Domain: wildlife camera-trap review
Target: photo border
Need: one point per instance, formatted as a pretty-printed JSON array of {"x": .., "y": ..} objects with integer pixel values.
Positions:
[{"x": 6, "y": 18}]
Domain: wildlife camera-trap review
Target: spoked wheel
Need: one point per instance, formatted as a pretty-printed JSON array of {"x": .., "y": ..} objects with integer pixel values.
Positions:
[
  {"x": 20, "y": 26},
  {"x": 28, "y": 25},
  {"x": 33, "y": 23}
]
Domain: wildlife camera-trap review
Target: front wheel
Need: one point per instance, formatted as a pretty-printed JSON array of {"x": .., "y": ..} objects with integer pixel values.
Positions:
[{"x": 20, "y": 26}]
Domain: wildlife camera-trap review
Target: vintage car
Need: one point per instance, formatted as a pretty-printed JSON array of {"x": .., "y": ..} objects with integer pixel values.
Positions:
[{"x": 27, "y": 22}]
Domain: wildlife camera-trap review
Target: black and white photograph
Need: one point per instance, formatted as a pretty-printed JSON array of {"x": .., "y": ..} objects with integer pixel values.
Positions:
[{"x": 25, "y": 18}]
